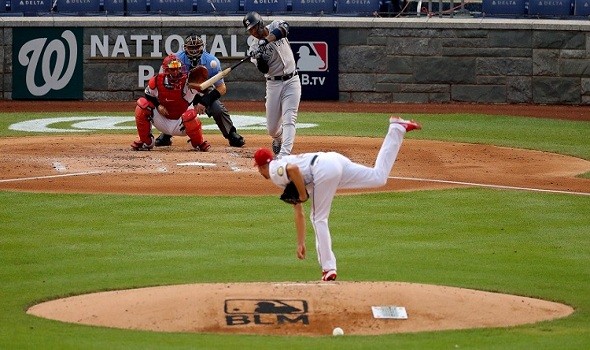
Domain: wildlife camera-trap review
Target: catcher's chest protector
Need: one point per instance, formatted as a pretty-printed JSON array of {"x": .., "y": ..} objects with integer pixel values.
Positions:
[{"x": 172, "y": 96}]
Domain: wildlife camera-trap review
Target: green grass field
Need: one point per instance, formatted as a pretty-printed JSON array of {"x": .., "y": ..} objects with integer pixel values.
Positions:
[{"x": 516, "y": 242}]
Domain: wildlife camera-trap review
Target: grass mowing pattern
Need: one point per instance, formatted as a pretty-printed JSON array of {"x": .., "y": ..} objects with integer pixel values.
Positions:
[
  {"x": 533, "y": 244},
  {"x": 508, "y": 241},
  {"x": 559, "y": 136}
]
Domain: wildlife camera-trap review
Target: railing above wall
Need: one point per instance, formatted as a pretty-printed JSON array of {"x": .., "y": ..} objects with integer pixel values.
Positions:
[{"x": 568, "y": 9}]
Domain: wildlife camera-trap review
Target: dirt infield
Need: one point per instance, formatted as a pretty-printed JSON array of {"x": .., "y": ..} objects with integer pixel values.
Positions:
[
  {"x": 98, "y": 164},
  {"x": 95, "y": 164}
]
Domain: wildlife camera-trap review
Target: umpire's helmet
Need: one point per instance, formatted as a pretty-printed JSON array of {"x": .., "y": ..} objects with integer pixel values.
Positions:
[
  {"x": 251, "y": 19},
  {"x": 194, "y": 46}
]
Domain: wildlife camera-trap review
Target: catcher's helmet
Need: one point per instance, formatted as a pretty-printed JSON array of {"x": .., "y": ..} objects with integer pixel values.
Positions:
[
  {"x": 172, "y": 67},
  {"x": 252, "y": 19},
  {"x": 194, "y": 46}
]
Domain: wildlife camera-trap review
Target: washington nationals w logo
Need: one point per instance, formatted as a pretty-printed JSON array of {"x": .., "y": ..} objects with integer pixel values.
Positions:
[{"x": 49, "y": 65}]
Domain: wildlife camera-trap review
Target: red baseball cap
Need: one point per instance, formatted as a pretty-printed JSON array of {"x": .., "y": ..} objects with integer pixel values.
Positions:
[{"x": 263, "y": 156}]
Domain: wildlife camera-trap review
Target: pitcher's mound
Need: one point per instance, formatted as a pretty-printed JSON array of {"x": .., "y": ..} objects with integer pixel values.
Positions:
[{"x": 291, "y": 308}]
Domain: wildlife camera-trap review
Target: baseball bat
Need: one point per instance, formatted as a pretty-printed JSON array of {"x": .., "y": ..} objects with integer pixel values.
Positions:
[{"x": 209, "y": 82}]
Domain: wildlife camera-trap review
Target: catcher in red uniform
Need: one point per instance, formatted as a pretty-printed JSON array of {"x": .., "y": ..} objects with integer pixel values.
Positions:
[{"x": 168, "y": 105}]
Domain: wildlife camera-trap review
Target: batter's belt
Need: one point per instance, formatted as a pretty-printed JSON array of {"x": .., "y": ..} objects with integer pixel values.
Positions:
[{"x": 283, "y": 77}]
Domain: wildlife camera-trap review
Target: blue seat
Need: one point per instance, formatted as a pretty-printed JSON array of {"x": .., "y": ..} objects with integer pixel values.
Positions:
[
  {"x": 550, "y": 8},
  {"x": 118, "y": 6},
  {"x": 306, "y": 6},
  {"x": 80, "y": 7},
  {"x": 265, "y": 8},
  {"x": 354, "y": 7},
  {"x": 31, "y": 8},
  {"x": 504, "y": 8},
  {"x": 172, "y": 6},
  {"x": 582, "y": 8},
  {"x": 215, "y": 6}
]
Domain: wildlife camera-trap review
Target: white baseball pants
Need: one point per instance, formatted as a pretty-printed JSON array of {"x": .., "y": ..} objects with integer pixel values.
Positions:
[{"x": 332, "y": 171}]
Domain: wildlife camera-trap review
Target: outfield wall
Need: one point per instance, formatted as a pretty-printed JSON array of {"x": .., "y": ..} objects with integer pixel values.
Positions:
[{"x": 385, "y": 60}]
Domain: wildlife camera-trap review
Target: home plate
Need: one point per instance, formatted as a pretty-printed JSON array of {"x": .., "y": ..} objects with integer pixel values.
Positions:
[
  {"x": 196, "y": 164},
  {"x": 395, "y": 312}
]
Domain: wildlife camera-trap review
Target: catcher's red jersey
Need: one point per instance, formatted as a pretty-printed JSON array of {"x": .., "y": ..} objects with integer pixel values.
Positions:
[{"x": 176, "y": 97}]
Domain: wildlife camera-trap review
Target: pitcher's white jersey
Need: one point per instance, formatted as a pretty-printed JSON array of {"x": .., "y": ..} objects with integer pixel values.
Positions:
[{"x": 278, "y": 172}]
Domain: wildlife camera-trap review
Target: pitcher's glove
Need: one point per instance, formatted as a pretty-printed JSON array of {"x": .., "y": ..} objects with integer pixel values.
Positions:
[
  {"x": 290, "y": 194},
  {"x": 196, "y": 76}
]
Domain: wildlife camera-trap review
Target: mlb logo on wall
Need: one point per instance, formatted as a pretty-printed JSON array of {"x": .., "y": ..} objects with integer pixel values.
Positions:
[
  {"x": 47, "y": 64},
  {"x": 316, "y": 61},
  {"x": 311, "y": 56}
]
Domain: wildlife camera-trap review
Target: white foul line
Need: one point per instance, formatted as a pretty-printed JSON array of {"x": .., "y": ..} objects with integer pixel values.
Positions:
[
  {"x": 53, "y": 176},
  {"x": 486, "y": 185},
  {"x": 391, "y": 177}
]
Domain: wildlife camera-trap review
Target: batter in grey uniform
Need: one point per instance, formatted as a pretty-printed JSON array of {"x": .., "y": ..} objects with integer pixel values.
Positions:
[
  {"x": 271, "y": 52},
  {"x": 321, "y": 174}
]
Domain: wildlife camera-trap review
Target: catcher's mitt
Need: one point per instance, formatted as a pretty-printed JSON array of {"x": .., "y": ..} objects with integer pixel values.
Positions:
[
  {"x": 196, "y": 76},
  {"x": 290, "y": 194}
]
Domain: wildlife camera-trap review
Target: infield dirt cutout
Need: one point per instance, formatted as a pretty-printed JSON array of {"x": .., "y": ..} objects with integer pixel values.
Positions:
[{"x": 106, "y": 164}]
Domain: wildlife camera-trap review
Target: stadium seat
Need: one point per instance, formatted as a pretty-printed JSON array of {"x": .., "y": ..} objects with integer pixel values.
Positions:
[
  {"x": 582, "y": 8},
  {"x": 357, "y": 7},
  {"x": 218, "y": 6},
  {"x": 118, "y": 6},
  {"x": 173, "y": 7},
  {"x": 306, "y": 6},
  {"x": 265, "y": 8},
  {"x": 514, "y": 8},
  {"x": 31, "y": 8},
  {"x": 550, "y": 8},
  {"x": 86, "y": 7}
]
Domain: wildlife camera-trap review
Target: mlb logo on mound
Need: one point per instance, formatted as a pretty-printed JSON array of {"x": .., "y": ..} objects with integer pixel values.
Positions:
[{"x": 310, "y": 56}]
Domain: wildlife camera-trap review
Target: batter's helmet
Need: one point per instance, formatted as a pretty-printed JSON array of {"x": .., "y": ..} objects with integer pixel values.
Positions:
[
  {"x": 251, "y": 19},
  {"x": 194, "y": 46}
]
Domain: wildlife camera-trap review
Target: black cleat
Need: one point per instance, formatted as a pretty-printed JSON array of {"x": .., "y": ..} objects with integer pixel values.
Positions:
[
  {"x": 276, "y": 146},
  {"x": 235, "y": 140},
  {"x": 164, "y": 140}
]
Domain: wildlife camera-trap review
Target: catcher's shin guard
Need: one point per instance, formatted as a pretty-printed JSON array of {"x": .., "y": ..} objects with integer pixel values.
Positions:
[
  {"x": 192, "y": 127},
  {"x": 143, "y": 117}
]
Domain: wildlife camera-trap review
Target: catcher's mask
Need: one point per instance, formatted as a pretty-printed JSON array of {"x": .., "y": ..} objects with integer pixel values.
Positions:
[
  {"x": 194, "y": 46},
  {"x": 251, "y": 20},
  {"x": 172, "y": 67}
]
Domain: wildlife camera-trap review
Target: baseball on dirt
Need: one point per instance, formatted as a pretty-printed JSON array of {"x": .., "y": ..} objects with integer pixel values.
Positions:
[
  {"x": 337, "y": 331},
  {"x": 213, "y": 64}
]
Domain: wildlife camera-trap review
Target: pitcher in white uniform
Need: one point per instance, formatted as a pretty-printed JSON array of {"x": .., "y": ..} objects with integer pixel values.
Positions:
[
  {"x": 321, "y": 174},
  {"x": 271, "y": 52}
]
